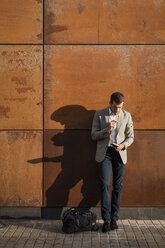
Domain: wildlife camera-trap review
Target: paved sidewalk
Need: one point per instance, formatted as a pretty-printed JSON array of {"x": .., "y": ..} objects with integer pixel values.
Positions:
[{"x": 47, "y": 234}]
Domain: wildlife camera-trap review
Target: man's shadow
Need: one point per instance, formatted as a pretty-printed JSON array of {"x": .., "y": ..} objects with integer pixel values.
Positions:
[
  {"x": 77, "y": 159},
  {"x": 69, "y": 158}
]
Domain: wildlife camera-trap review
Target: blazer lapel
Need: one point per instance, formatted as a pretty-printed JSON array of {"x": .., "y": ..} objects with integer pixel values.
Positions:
[
  {"x": 120, "y": 120},
  {"x": 106, "y": 114}
]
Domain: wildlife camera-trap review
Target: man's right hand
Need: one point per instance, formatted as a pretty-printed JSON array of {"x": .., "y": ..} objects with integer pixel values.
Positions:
[{"x": 112, "y": 125}]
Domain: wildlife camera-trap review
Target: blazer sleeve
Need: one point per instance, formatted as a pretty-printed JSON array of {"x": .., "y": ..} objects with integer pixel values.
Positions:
[
  {"x": 97, "y": 133},
  {"x": 129, "y": 132}
]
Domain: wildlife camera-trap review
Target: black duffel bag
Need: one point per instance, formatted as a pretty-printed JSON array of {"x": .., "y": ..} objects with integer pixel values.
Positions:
[{"x": 75, "y": 220}]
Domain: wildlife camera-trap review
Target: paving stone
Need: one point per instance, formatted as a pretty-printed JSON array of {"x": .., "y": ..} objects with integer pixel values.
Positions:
[{"x": 48, "y": 234}]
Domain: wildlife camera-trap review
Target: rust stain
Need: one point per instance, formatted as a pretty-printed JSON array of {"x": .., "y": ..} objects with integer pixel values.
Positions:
[
  {"x": 4, "y": 111},
  {"x": 23, "y": 99},
  {"x": 101, "y": 82},
  {"x": 38, "y": 1},
  {"x": 51, "y": 28},
  {"x": 4, "y": 53},
  {"x": 81, "y": 8},
  {"x": 136, "y": 114},
  {"x": 12, "y": 137},
  {"x": 38, "y": 50},
  {"x": 24, "y": 70},
  {"x": 34, "y": 201},
  {"x": 19, "y": 81},
  {"x": 39, "y": 36},
  {"x": 16, "y": 200},
  {"x": 19, "y": 61},
  {"x": 150, "y": 70},
  {"x": 56, "y": 28},
  {"x": 19, "y": 52},
  {"x": 136, "y": 118},
  {"x": 50, "y": 18},
  {"x": 39, "y": 103},
  {"x": 23, "y": 90},
  {"x": 112, "y": 2},
  {"x": 113, "y": 22}
]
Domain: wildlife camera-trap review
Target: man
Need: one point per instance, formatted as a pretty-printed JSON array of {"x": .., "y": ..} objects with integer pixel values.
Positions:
[{"x": 112, "y": 125}]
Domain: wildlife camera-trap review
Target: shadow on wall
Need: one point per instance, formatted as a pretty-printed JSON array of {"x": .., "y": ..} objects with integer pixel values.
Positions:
[{"x": 77, "y": 159}]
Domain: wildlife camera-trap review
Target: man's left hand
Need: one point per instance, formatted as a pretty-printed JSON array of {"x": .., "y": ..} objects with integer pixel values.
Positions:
[{"x": 119, "y": 148}]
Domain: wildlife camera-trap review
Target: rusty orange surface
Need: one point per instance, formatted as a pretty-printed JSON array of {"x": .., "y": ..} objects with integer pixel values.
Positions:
[
  {"x": 132, "y": 21},
  {"x": 80, "y": 79},
  {"x": 21, "y": 168},
  {"x": 104, "y": 21},
  {"x": 21, "y": 21},
  {"x": 145, "y": 172},
  {"x": 71, "y": 21},
  {"x": 71, "y": 173},
  {"x": 21, "y": 87}
]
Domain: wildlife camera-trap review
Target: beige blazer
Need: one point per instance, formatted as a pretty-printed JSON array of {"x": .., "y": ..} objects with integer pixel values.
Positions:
[{"x": 101, "y": 133}]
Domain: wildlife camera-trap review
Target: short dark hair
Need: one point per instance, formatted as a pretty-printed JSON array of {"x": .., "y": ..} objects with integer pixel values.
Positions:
[{"x": 117, "y": 97}]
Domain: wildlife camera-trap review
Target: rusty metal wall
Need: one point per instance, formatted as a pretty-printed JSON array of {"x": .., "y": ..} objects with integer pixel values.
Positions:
[
  {"x": 21, "y": 175},
  {"x": 59, "y": 63},
  {"x": 104, "y": 21},
  {"x": 86, "y": 76},
  {"x": 21, "y": 21},
  {"x": 21, "y": 103},
  {"x": 71, "y": 175},
  {"x": 21, "y": 87}
]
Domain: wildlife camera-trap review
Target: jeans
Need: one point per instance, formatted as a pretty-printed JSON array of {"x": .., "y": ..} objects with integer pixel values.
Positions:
[{"x": 111, "y": 162}]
